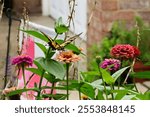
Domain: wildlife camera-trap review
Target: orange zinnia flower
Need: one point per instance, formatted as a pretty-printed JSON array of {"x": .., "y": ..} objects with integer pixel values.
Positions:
[{"x": 68, "y": 57}]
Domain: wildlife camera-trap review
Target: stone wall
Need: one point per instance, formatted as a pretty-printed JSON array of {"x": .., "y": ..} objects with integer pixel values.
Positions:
[{"x": 107, "y": 11}]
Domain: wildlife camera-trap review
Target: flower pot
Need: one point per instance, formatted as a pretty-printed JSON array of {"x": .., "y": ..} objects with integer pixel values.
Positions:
[{"x": 140, "y": 67}]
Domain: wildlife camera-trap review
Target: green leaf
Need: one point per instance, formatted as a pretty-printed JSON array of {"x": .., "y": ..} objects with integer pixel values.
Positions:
[
  {"x": 120, "y": 95},
  {"x": 58, "y": 22},
  {"x": 96, "y": 82},
  {"x": 70, "y": 46},
  {"x": 38, "y": 72},
  {"x": 36, "y": 34},
  {"x": 145, "y": 75},
  {"x": 74, "y": 48},
  {"x": 100, "y": 95},
  {"x": 42, "y": 47},
  {"x": 91, "y": 73},
  {"x": 20, "y": 91},
  {"x": 118, "y": 73},
  {"x": 60, "y": 28},
  {"x": 59, "y": 88},
  {"x": 53, "y": 67},
  {"x": 51, "y": 54},
  {"x": 107, "y": 77},
  {"x": 88, "y": 90},
  {"x": 34, "y": 70},
  {"x": 38, "y": 65},
  {"x": 128, "y": 97},
  {"x": 55, "y": 96}
]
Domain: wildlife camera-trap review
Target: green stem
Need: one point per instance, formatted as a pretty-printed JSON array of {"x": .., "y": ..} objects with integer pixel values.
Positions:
[
  {"x": 135, "y": 86},
  {"x": 41, "y": 78},
  {"x": 112, "y": 88},
  {"x": 67, "y": 79},
  {"x": 52, "y": 90},
  {"x": 105, "y": 90},
  {"x": 24, "y": 79},
  {"x": 40, "y": 85},
  {"x": 79, "y": 92},
  {"x": 55, "y": 36},
  {"x": 119, "y": 82},
  {"x": 30, "y": 78}
]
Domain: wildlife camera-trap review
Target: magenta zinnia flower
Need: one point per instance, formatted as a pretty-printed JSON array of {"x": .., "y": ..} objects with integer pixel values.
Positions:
[
  {"x": 22, "y": 60},
  {"x": 111, "y": 64},
  {"x": 124, "y": 51}
]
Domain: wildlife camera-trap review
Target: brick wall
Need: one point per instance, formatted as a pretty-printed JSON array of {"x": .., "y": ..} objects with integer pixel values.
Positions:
[{"x": 107, "y": 11}]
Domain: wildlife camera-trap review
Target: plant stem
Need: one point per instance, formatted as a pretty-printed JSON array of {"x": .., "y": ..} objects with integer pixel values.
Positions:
[
  {"x": 40, "y": 85},
  {"x": 79, "y": 81},
  {"x": 55, "y": 36},
  {"x": 112, "y": 88},
  {"x": 52, "y": 90},
  {"x": 130, "y": 70},
  {"x": 67, "y": 79},
  {"x": 79, "y": 92},
  {"x": 24, "y": 79},
  {"x": 135, "y": 86},
  {"x": 30, "y": 78},
  {"x": 105, "y": 90}
]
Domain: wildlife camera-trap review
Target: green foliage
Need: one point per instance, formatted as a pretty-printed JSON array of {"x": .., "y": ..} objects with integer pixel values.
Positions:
[
  {"x": 118, "y": 73},
  {"x": 53, "y": 67},
  {"x": 60, "y": 28},
  {"x": 144, "y": 74},
  {"x": 107, "y": 77},
  {"x": 121, "y": 33},
  {"x": 37, "y": 34}
]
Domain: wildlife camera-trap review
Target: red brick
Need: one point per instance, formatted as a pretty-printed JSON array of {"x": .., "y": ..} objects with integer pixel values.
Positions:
[
  {"x": 125, "y": 15},
  {"x": 108, "y": 16},
  {"x": 134, "y": 4},
  {"x": 95, "y": 23},
  {"x": 109, "y": 5},
  {"x": 145, "y": 15},
  {"x": 106, "y": 26}
]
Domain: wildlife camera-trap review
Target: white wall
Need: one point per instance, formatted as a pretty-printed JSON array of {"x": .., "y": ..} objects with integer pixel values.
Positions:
[{"x": 60, "y": 8}]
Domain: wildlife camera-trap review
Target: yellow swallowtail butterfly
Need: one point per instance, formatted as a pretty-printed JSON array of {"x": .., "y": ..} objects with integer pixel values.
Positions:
[{"x": 56, "y": 46}]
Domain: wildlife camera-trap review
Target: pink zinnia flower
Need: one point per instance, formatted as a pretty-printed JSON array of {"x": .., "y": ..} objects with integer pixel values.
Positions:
[
  {"x": 111, "y": 64},
  {"x": 22, "y": 60},
  {"x": 124, "y": 51}
]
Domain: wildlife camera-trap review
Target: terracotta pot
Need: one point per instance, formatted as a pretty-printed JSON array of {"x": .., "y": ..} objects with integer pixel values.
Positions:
[{"x": 139, "y": 67}]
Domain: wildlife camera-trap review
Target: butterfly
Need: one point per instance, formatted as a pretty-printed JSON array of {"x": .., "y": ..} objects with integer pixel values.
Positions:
[{"x": 55, "y": 46}]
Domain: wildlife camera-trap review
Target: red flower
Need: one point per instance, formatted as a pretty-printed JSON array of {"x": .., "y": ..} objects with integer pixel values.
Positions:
[
  {"x": 124, "y": 51},
  {"x": 136, "y": 51}
]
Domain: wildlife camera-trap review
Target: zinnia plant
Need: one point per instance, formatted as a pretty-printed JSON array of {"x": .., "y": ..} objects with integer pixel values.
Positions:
[
  {"x": 124, "y": 51},
  {"x": 103, "y": 83},
  {"x": 111, "y": 64},
  {"x": 22, "y": 61},
  {"x": 67, "y": 57}
]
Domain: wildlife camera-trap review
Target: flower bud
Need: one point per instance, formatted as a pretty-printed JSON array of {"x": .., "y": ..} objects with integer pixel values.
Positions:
[{"x": 98, "y": 59}]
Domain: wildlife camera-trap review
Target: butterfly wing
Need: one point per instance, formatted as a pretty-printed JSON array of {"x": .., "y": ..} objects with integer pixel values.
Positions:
[
  {"x": 68, "y": 41},
  {"x": 51, "y": 42}
]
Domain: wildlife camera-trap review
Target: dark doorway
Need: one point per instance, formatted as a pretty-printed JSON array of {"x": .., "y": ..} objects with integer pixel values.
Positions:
[{"x": 7, "y": 4}]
